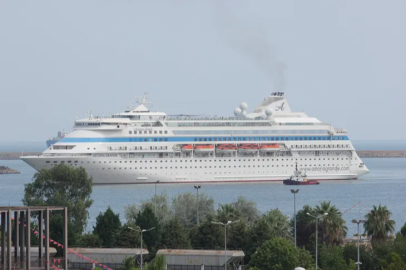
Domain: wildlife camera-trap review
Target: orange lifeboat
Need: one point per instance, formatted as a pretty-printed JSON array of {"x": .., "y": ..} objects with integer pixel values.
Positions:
[
  {"x": 226, "y": 148},
  {"x": 204, "y": 148},
  {"x": 269, "y": 148},
  {"x": 248, "y": 148},
  {"x": 187, "y": 148}
]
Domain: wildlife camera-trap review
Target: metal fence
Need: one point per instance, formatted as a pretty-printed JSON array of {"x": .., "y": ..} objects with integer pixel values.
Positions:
[
  {"x": 87, "y": 265},
  {"x": 206, "y": 267}
]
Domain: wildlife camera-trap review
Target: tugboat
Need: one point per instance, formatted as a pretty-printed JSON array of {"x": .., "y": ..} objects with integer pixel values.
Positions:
[{"x": 299, "y": 178}]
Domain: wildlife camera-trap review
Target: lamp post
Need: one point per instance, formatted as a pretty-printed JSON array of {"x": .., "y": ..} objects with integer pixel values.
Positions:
[
  {"x": 141, "y": 231},
  {"x": 197, "y": 204},
  {"x": 358, "y": 221},
  {"x": 225, "y": 238},
  {"x": 294, "y": 191},
  {"x": 317, "y": 240},
  {"x": 155, "y": 196}
]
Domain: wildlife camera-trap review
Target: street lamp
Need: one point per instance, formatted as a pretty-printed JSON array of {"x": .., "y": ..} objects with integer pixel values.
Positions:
[
  {"x": 141, "y": 231},
  {"x": 197, "y": 204},
  {"x": 358, "y": 221},
  {"x": 317, "y": 240},
  {"x": 225, "y": 238},
  {"x": 294, "y": 191},
  {"x": 155, "y": 195}
]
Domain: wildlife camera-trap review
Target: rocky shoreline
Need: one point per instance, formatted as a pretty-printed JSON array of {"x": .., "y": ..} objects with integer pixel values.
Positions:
[{"x": 7, "y": 170}]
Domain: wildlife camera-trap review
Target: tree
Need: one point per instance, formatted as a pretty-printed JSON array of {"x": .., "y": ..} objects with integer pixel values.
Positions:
[
  {"x": 158, "y": 263},
  {"x": 106, "y": 226},
  {"x": 397, "y": 263},
  {"x": 247, "y": 209},
  {"x": 90, "y": 240},
  {"x": 403, "y": 230},
  {"x": 126, "y": 237},
  {"x": 128, "y": 264},
  {"x": 332, "y": 227},
  {"x": 227, "y": 212},
  {"x": 237, "y": 235},
  {"x": 174, "y": 235},
  {"x": 146, "y": 220},
  {"x": 207, "y": 235},
  {"x": 399, "y": 246},
  {"x": 163, "y": 211},
  {"x": 184, "y": 208},
  {"x": 331, "y": 258},
  {"x": 62, "y": 185},
  {"x": 278, "y": 224},
  {"x": 280, "y": 254},
  {"x": 369, "y": 260},
  {"x": 257, "y": 235},
  {"x": 304, "y": 227},
  {"x": 378, "y": 223}
]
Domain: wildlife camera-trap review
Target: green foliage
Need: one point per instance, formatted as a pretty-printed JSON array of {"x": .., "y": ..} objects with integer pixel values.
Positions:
[
  {"x": 89, "y": 240},
  {"x": 237, "y": 235},
  {"x": 146, "y": 220},
  {"x": 62, "y": 185},
  {"x": 378, "y": 223},
  {"x": 248, "y": 209},
  {"x": 126, "y": 237},
  {"x": 257, "y": 235},
  {"x": 403, "y": 230},
  {"x": 331, "y": 258},
  {"x": 159, "y": 263},
  {"x": 128, "y": 264},
  {"x": 304, "y": 227},
  {"x": 174, "y": 235},
  {"x": 184, "y": 208},
  {"x": 207, "y": 235},
  {"x": 107, "y": 225},
  {"x": 332, "y": 227},
  {"x": 399, "y": 246},
  {"x": 280, "y": 254},
  {"x": 227, "y": 212},
  {"x": 352, "y": 265},
  {"x": 397, "y": 263},
  {"x": 278, "y": 224},
  {"x": 163, "y": 210}
]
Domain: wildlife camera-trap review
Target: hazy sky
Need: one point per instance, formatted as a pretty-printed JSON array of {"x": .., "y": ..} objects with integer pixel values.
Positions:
[{"x": 340, "y": 61}]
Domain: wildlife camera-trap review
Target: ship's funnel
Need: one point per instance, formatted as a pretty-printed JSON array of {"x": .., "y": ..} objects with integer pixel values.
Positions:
[{"x": 274, "y": 104}]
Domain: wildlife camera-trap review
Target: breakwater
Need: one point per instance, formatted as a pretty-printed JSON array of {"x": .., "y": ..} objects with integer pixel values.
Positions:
[{"x": 361, "y": 154}]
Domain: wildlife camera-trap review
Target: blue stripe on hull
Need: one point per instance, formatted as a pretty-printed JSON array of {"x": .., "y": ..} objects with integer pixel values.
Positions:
[{"x": 204, "y": 139}]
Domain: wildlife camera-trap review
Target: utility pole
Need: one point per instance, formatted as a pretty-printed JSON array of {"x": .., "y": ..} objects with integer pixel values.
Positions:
[
  {"x": 294, "y": 191},
  {"x": 197, "y": 204}
]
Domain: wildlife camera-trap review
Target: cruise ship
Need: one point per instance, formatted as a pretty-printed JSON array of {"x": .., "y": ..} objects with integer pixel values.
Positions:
[{"x": 141, "y": 146}]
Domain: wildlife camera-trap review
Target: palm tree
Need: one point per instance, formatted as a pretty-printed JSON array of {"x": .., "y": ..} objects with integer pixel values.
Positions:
[
  {"x": 332, "y": 227},
  {"x": 227, "y": 212},
  {"x": 278, "y": 223},
  {"x": 378, "y": 223}
]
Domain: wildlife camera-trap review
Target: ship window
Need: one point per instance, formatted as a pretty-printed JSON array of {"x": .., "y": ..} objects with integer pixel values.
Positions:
[
  {"x": 130, "y": 132},
  {"x": 160, "y": 132},
  {"x": 69, "y": 161},
  {"x": 166, "y": 132},
  {"x": 155, "y": 132},
  {"x": 47, "y": 161}
]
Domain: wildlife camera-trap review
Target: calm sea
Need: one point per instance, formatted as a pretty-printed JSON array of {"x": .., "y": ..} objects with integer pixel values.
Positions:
[{"x": 385, "y": 184}]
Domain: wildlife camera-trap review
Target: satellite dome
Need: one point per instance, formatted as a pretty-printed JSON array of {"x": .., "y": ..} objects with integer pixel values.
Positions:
[
  {"x": 243, "y": 106},
  {"x": 268, "y": 112},
  {"x": 237, "y": 111}
]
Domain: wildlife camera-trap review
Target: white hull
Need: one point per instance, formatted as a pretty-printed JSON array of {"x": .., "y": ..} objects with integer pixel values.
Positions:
[{"x": 255, "y": 169}]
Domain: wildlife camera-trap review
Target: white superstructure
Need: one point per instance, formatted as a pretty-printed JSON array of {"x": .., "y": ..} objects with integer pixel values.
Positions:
[{"x": 141, "y": 146}]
